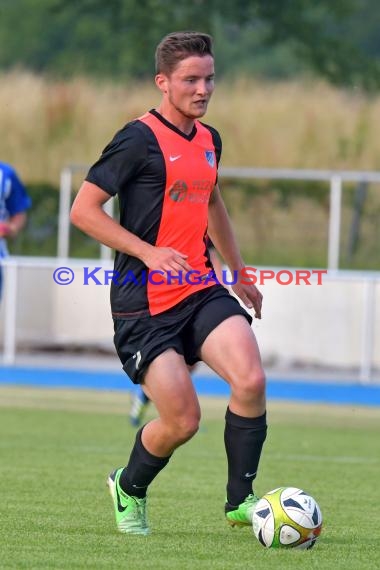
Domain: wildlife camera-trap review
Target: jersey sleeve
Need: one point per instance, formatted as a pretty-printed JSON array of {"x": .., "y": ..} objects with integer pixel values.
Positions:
[
  {"x": 216, "y": 139},
  {"x": 18, "y": 200},
  {"x": 217, "y": 144},
  {"x": 120, "y": 161}
]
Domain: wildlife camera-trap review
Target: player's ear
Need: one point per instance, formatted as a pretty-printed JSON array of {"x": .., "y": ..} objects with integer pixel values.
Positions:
[{"x": 162, "y": 82}]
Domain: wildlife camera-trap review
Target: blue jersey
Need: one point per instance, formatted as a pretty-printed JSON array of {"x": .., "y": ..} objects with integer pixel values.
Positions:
[{"x": 13, "y": 198}]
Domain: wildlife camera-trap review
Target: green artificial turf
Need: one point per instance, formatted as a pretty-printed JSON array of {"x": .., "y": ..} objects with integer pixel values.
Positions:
[{"x": 57, "y": 448}]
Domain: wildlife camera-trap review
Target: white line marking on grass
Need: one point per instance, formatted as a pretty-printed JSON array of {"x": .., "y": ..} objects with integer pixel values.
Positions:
[{"x": 328, "y": 458}]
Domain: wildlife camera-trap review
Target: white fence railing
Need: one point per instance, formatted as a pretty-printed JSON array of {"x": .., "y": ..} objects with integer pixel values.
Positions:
[{"x": 335, "y": 178}]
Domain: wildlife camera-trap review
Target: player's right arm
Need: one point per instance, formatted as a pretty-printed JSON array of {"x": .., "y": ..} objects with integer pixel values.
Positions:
[{"x": 88, "y": 215}]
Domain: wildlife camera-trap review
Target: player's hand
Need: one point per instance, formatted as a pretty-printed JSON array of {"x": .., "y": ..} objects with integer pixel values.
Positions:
[
  {"x": 166, "y": 259},
  {"x": 5, "y": 229},
  {"x": 251, "y": 297}
]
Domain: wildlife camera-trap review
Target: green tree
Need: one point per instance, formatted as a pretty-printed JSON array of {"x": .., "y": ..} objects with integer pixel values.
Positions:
[{"x": 337, "y": 39}]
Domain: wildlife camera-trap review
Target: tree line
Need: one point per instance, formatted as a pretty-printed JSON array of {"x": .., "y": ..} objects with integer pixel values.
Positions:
[{"x": 334, "y": 39}]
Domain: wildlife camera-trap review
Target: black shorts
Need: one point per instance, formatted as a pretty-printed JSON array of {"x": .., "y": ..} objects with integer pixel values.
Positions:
[{"x": 184, "y": 328}]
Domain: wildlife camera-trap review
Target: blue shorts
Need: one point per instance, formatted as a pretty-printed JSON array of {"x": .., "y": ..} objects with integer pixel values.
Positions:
[{"x": 184, "y": 328}]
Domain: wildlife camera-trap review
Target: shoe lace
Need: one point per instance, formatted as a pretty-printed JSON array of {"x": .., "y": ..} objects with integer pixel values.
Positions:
[
  {"x": 140, "y": 510},
  {"x": 251, "y": 499}
]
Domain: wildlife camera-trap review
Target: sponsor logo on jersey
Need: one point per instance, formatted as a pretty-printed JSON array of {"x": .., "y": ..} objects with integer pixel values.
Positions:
[{"x": 178, "y": 191}]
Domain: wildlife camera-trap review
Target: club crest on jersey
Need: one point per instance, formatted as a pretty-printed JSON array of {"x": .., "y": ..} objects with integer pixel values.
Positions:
[{"x": 210, "y": 157}]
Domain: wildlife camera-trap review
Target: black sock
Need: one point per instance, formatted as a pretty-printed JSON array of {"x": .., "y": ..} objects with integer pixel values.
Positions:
[
  {"x": 243, "y": 439},
  {"x": 142, "y": 468}
]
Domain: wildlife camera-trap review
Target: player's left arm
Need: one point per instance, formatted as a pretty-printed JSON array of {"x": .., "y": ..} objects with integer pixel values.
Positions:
[{"x": 222, "y": 235}]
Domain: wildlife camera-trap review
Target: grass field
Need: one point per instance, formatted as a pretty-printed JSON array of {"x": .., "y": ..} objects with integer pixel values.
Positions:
[{"x": 57, "y": 447}]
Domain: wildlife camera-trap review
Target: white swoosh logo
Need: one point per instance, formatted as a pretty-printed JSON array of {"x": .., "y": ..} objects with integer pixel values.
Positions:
[
  {"x": 173, "y": 158},
  {"x": 247, "y": 475},
  {"x": 137, "y": 356}
]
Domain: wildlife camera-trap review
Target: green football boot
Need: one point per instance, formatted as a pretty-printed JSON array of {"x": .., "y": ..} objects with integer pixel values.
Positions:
[
  {"x": 241, "y": 515},
  {"x": 130, "y": 511}
]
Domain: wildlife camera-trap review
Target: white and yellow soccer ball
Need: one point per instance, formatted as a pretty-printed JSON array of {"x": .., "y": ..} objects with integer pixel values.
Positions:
[{"x": 287, "y": 517}]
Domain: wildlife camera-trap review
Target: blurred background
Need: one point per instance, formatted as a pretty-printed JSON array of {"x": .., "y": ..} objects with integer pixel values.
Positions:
[{"x": 298, "y": 93}]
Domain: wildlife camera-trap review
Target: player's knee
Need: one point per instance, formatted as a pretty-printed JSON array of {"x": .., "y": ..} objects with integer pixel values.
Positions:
[
  {"x": 251, "y": 387},
  {"x": 185, "y": 428}
]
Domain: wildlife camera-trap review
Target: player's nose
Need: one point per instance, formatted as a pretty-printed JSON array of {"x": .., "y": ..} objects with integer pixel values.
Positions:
[{"x": 202, "y": 87}]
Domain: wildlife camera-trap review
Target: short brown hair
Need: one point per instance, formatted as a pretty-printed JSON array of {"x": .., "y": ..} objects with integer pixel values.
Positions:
[{"x": 178, "y": 46}]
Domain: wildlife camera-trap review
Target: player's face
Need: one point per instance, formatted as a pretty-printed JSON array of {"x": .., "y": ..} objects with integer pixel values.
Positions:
[{"x": 189, "y": 87}]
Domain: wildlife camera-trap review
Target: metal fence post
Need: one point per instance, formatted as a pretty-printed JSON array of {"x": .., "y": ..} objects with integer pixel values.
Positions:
[
  {"x": 105, "y": 251},
  {"x": 368, "y": 330},
  {"x": 64, "y": 211},
  {"x": 10, "y": 308},
  {"x": 334, "y": 222}
]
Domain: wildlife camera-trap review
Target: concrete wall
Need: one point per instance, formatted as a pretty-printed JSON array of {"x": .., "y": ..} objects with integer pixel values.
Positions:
[
  {"x": 322, "y": 325},
  {"x": 51, "y": 314},
  {"x": 306, "y": 324}
]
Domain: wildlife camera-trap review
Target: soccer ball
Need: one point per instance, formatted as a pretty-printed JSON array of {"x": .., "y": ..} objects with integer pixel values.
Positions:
[{"x": 287, "y": 517}]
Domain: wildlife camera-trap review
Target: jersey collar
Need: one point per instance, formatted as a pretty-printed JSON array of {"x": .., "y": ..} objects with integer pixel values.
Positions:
[{"x": 188, "y": 137}]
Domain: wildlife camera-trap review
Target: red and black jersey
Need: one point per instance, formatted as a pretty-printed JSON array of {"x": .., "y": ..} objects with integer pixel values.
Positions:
[{"x": 163, "y": 179}]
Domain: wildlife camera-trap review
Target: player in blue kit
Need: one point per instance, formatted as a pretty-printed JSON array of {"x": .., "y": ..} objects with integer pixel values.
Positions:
[{"x": 14, "y": 202}]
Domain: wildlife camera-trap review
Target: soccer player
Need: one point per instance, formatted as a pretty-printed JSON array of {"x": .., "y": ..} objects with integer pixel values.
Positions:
[
  {"x": 14, "y": 203},
  {"x": 167, "y": 313}
]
